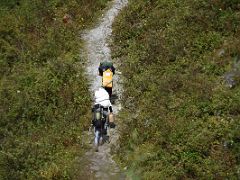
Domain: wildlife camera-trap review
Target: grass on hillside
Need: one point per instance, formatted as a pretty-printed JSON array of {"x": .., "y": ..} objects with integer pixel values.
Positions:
[
  {"x": 44, "y": 98},
  {"x": 180, "y": 119}
]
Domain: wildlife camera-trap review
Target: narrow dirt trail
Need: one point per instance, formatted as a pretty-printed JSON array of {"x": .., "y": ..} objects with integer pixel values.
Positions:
[{"x": 100, "y": 165}]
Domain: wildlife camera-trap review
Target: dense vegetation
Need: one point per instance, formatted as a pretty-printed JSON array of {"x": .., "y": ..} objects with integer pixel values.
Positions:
[
  {"x": 44, "y": 98},
  {"x": 179, "y": 60}
]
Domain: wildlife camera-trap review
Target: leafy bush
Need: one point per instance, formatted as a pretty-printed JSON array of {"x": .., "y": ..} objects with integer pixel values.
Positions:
[
  {"x": 180, "y": 119},
  {"x": 44, "y": 98}
]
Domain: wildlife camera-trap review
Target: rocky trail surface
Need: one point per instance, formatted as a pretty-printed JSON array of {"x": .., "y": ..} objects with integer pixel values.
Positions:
[{"x": 100, "y": 165}]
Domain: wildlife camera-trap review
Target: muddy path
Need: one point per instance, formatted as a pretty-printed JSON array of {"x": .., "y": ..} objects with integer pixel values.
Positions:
[{"x": 100, "y": 165}]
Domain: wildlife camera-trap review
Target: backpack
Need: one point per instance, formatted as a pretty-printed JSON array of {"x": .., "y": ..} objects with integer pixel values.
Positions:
[
  {"x": 107, "y": 78},
  {"x": 97, "y": 116}
]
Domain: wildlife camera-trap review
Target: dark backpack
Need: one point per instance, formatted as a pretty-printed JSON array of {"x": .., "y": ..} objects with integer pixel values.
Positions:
[{"x": 98, "y": 119}]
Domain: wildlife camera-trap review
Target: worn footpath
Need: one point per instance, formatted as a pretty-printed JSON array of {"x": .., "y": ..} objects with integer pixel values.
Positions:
[{"x": 100, "y": 165}]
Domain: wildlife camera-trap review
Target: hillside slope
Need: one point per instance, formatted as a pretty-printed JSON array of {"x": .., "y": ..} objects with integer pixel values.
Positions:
[
  {"x": 44, "y": 97},
  {"x": 180, "y": 61}
]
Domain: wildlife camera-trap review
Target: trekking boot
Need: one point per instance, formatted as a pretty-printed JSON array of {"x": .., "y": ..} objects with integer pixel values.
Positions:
[{"x": 96, "y": 148}]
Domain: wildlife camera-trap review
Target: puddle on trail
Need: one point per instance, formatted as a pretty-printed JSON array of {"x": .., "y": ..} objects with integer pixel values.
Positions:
[{"x": 100, "y": 165}]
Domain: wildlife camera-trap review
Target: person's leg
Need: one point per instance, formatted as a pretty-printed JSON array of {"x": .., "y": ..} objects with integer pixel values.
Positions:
[
  {"x": 97, "y": 135},
  {"x": 96, "y": 139},
  {"x": 109, "y": 90}
]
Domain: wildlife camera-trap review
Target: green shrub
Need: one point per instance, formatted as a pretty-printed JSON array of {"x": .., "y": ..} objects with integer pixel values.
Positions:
[
  {"x": 180, "y": 119},
  {"x": 44, "y": 98}
]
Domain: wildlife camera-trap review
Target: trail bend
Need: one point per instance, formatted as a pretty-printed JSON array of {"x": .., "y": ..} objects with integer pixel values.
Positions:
[{"x": 100, "y": 165}]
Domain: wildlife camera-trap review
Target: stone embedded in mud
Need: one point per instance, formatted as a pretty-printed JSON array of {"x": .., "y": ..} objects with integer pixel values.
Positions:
[
  {"x": 221, "y": 53},
  {"x": 67, "y": 18},
  {"x": 232, "y": 78},
  {"x": 229, "y": 79}
]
